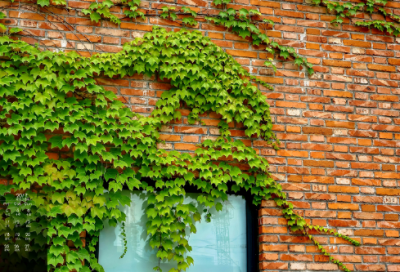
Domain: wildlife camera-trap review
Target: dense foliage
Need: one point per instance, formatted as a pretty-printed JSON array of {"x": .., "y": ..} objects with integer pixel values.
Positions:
[{"x": 50, "y": 102}]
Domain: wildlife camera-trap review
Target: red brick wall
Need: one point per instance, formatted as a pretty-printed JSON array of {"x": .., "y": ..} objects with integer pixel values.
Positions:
[{"x": 340, "y": 129}]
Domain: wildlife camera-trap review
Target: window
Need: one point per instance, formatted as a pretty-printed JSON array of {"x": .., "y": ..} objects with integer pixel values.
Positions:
[{"x": 227, "y": 243}]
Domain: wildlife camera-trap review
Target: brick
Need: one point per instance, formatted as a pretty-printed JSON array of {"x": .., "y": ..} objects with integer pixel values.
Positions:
[
  {"x": 368, "y": 199},
  {"x": 170, "y": 138},
  {"x": 343, "y": 223},
  {"x": 324, "y": 267},
  {"x": 389, "y": 98},
  {"x": 291, "y": 105},
  {"x": 338, "y": 94},
  {"x": 297, "y": 257},
  {"x": 367, "y": 166},
  {"x": 335, "y": 48},
  {"x": 339, "y": 124},
  {"x": 318, "y": 179},
  {"x": 287, "y": 13},
  {"x": 134, "y": 26},
  {"x": 388, "y": 191},
  {"x": 26, "y": 15},
  {"x": 336, "y": 63},
  {"x": 368, "y": 216},
  {"x": 343, "y": 206},
  {"x": 370, "y": 267},
  {"x": 370, "y": 250},
  {"x": 286, "y": 153},
  {"x": 265, "y": 247},
  {"x": 323, "y": 197},
  {"x": 191, "y": 130},
  {"x": 368, "y": 232},
  {"x": 318, "y": 163},
  {"x": 317, "y": 130},
  {"x": 320, "y": 147},
  {"x": 384, "y": 68},
  {"x": 190, "y": 147},
  {"x": 240, "y": 53},
  {"x": 343, "y": 189},
  {"x": 357, "y": 43},
  {"x": 391, "y": 217},
  {"x": 274, "y": 265}
]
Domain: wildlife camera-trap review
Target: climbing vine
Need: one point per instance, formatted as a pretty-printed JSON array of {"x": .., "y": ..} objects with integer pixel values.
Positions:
[
  {"x": 348, "y": 10},
  {"x": 50, "y": 102}
]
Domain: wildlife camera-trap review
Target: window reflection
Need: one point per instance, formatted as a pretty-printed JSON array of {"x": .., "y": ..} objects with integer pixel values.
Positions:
[{"x": 217, "y": 246}]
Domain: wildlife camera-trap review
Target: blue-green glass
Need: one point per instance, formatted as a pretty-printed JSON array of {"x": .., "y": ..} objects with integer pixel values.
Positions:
[{"x": 218, "y": 246}]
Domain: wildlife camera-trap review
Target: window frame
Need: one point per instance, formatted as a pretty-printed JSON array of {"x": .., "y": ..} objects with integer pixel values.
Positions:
[{"x": 251, "y": 225}]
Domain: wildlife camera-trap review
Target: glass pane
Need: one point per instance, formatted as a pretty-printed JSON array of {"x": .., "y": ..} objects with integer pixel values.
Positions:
[{"x": 220, "y": 244}]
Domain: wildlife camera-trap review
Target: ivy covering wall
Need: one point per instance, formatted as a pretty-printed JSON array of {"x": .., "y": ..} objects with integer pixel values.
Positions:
[{"x": 111, "y": 148}]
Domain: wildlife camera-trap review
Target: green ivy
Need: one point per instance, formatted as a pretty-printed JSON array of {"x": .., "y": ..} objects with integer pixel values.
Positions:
[
  {"x": 168, "y": 13},
  {"x": 240, "y": 22},
  {"x": 5, "y": 29},
  {"x": 44, "y": 3},
  {"x": 348, "y": 10},
  {"x": 44, "y": 93},
  {"x": 123, "y": 234},
  {"x": 370, "y": 5},
  {"x": 343, "y": 10},
  {"x": 2, "y": 16},
  {"x": 383, "y": 26},
  {"x": 97, "y": 11}
]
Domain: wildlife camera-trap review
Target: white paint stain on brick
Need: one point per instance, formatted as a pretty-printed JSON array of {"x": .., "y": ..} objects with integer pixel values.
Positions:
[
  {"x": 293, "y": 112},
  {"x": 64, "y": 43},
  {"x": 343, "y": 181},
  {"x": 340, "y": 132}
]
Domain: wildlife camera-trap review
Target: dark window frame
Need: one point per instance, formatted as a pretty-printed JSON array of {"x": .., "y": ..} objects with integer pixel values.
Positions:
[{"x": 251, "y": 226}]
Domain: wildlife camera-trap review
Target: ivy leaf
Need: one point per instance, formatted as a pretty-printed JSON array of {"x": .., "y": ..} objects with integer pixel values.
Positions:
[
  {"x": 196, "y": 216},
  {"x": 56, "y": 141},
  {"x": 15, "y": 30},
  {"x": 54, "y": 260},
  {"x": 25, "y": 171},
  {"x": 95, "y": 17},
  {"x": 74, "y": 220},
  {"x": 115, "y": 213},
  {"x": 133, "y": 183},
  {"x": 101, "y": 200},
  {"x": 69, "y": 141},
  {"x": 111, "y": 173},
  {"x": 92, "y": 140},
  {"x": 114, "y": 186},
  {"x": 58, "y": 197},
  {"x": 43, "y": 3},
  {"x": 120, "y": 163},
  {"x": 56, "y": 250},
  {"x": 64, "y": 231},
  {"x": 83, "y": 254},
  {"x": 11, "y": 155},
  {"x": 74, "y": 266},
  {"x": 151, "y": 213},
  {"x": 98, "y": 211},
  {"x": 218, "y": 206},
  {"x": 58, "y": 241},
  {"x": 243, "y": 12}
]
